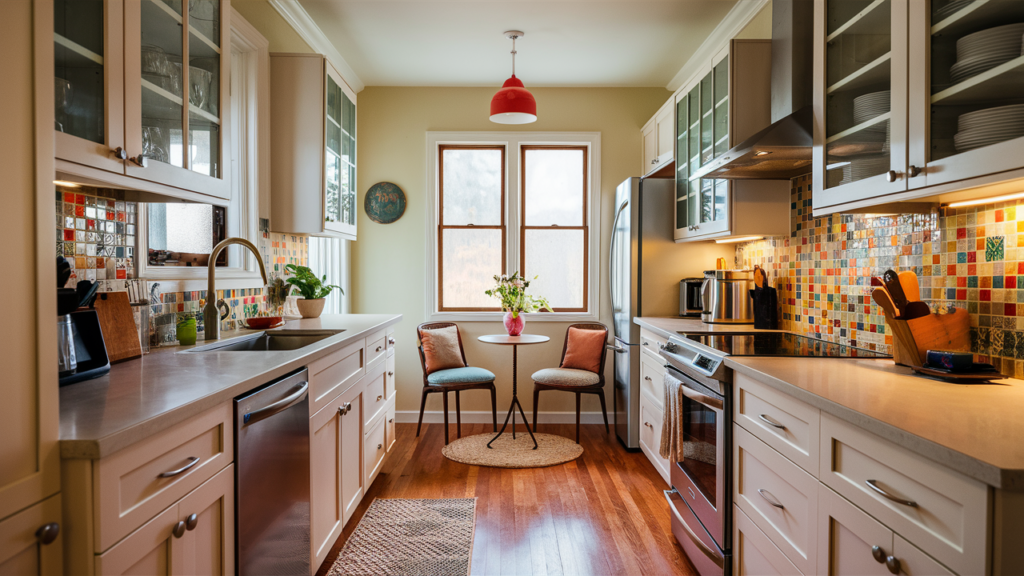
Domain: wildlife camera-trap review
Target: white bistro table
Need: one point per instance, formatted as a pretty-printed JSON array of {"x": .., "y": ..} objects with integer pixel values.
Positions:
[{"x": 514, "y": 342}]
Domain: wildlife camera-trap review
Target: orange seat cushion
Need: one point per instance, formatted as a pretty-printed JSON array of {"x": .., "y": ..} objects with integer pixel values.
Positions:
[
  {"x": 441, "y": 349},
  {"x": 584, "y": 349}
]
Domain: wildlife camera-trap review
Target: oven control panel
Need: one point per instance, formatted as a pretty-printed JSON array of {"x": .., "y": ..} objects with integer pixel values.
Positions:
[{"x": 704, "y": 363}]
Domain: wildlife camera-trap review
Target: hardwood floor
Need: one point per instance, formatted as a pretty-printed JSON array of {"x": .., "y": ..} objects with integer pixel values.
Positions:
[{"x": 603, "y": 513}]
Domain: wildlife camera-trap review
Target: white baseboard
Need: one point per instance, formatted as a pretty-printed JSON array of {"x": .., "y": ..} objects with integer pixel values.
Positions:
[{"x": 484, "y": 417}]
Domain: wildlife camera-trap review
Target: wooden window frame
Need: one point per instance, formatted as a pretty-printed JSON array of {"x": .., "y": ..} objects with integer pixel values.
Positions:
[
  {"x": 441, "y": 226},
  {"x": 585, "y": 226}
]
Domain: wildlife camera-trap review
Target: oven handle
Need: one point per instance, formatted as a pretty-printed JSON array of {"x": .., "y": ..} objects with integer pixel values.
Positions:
[
  {"x": 710, "y": 402},
  {"x": 711, "y": 554}
]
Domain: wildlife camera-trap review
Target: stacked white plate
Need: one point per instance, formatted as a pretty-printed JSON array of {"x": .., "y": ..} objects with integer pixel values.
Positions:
[
  {"x": 981, "y": 51},
  {"x": 949, "y": 9},
  {"x": 870, "y": 106},
  {"x": 865, "y": 167},
  {"x": 989, "y": 126}
]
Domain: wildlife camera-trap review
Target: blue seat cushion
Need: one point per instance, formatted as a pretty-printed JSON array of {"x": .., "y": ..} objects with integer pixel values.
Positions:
[{"x": 467, "y": 375}]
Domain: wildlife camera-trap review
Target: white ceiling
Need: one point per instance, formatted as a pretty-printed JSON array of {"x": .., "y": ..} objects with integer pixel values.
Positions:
[{"x": 567, "y": 42}]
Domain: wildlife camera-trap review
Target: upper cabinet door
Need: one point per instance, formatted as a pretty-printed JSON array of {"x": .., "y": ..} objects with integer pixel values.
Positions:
[
  {"x": 339, "y": 156},
  {"x": 176, "y": 92},
  {"x": 89, "y": 82},
  {"x": 860, "y": 99},
  {"x": 968, "y": 72}
]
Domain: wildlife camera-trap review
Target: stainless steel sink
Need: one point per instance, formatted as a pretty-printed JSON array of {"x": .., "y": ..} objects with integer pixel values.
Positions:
[{"x": 268, "y": 341}]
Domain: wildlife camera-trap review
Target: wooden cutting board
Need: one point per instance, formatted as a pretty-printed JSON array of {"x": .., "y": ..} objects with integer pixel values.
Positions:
[{"x": 120, "y": 335}]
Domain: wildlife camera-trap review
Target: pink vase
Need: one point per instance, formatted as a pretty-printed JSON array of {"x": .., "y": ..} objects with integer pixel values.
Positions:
[{"x": 514, "y": 326}]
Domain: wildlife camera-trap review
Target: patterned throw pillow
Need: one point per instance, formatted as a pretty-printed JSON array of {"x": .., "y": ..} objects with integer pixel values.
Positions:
[
  {"x": 583, "y": 352},
  {"x": 441, "y": 349}
]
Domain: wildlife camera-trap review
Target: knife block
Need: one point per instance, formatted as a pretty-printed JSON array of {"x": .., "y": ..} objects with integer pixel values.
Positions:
[{"x": 913, "y": 338}]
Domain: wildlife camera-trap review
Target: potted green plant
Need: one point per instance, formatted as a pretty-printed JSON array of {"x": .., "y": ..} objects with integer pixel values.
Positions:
[{"x": 312, "y": 289}]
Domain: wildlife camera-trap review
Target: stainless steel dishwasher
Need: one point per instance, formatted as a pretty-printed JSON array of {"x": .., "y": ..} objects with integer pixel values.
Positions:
[{"x": 272, "y": 478}]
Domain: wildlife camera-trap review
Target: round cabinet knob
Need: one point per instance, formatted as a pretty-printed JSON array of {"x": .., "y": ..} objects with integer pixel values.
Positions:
[
  {"x": 892, "y": 175},
  {"x": 391, "y": 420},
  {"x": 120, "y": 153},
  {"x": 878, "y": 554},
  {"x": 379, "y": 398},
  {"x": 47, "y": 533},
  {"x": 655, "y": 161},
  {"x": 391, "y": 341},
  {"x": 913, "y": 171},
  {"x": 390, "y": 373},
  {"x": 379, "y": 348},
  {"x": 893, "y": 564},
  {"x": 648, "y": 378},
  {"x": 191, "y": 522},
  {"x": 140, "y": 161},
  {"x": 179, "y": 529},
  {"x": 379, "y": 446}
]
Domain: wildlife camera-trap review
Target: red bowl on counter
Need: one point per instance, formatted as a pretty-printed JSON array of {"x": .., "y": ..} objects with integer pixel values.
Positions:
[{"x": 263, "y": 322}]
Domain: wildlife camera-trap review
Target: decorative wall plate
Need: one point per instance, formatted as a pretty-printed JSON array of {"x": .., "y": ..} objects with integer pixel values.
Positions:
[{"x": 384, "y": 202}]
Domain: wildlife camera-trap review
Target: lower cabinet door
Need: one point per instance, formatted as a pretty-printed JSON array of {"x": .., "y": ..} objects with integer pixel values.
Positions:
[
  {"x": 754, "y": 554},
  {"x": 651, "y": 420},
  {"x": 152, "y": 550},
  {"x": 389, "y": 428},
  {"x": 209, "y": 516},
  {"x": 914, "y": 562},
  {"x": 22, "y": 552},
  {"x": 351, "y": 457},
  {"x": 327, "y": 513},
  {"x": 374, "y": 450},
  {"x": 847, "y": 538}
]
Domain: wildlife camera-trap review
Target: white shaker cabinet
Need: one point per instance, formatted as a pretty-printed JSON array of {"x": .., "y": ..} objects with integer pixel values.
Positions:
[
  {"x": 313, "y": 149},
  {"x": 657, "y": 137},
  {"x": 30, "y": 541},
  {"x": 141, "y": 94}
]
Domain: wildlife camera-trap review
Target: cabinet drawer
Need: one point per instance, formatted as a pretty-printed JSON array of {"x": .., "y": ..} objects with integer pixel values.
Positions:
[
  {"x": 374, "y": 450},
  {"x": 781, "y": 421},
  {"x": 651, "y": 343},
  {"x": 389, "y": 427},
  {"x": 374, "y": 399},
  {"x": 129, "y": 486},
  {"x": 949, "y": 517},
  {"x": 389, "y": 380},
  {"x": 376, "y": 345},
  {"x": 390, "y": 343},
  {"x": 650, "y": 435},
  {"x": 779, "y": 497},
  {"x": 652, "y": 381},
  {"x": 334, "y": 373},
  {"x": 754, "y": 554}
]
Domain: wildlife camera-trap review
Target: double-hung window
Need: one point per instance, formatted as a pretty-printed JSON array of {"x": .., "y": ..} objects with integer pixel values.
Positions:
[{"x": 513, "y": 202}]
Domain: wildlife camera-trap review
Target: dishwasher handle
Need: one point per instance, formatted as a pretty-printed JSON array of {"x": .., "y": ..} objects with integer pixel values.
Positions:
[{"x": 279, "y": 406}]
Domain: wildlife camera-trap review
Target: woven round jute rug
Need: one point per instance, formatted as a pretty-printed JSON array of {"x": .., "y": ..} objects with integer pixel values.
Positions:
[{"x": 509, "y": 453}]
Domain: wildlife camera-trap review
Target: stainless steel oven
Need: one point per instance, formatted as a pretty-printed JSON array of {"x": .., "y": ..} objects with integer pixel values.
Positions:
[{"x": 701, "y": 482}]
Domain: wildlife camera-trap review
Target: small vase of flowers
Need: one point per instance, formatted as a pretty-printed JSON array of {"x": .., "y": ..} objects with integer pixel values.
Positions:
[
  {"x": 312, "y": 289},
  {"x": 511, "y": 292}
]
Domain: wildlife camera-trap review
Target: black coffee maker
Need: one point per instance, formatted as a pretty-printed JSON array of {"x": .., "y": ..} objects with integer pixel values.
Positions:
[{"x": 81, "y": 353}]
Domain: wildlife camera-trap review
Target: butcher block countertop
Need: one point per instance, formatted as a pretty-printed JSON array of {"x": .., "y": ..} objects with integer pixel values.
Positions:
[
  {"x": 975, "y": 429},
  {"x": 141, "y": 397}
]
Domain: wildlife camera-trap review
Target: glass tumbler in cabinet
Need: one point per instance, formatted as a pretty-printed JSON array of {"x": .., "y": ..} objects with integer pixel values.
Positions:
[
  {"x": 176, "y": 88},
  {"x": 89, "y": 83},
  {"x": 859, "y": 99},
  {"x": 967, "y": 93}
]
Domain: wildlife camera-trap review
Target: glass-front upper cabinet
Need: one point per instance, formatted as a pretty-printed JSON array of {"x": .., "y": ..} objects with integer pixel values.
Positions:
[
  {"x": 88, "y": 82},
  {"x": 966, "y": 89},
  {"x": 860, "y": 102},
  {"x": 176, "y": 92},
  {"x": 340, "y": 158}
]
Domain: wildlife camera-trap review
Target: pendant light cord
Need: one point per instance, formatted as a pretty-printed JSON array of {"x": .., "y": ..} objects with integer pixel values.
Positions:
[{"x": 514, "y": 55}]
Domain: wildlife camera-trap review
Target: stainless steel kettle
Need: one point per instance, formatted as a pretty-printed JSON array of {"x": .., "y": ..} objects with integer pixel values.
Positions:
[{"x": 725, "y": 295}]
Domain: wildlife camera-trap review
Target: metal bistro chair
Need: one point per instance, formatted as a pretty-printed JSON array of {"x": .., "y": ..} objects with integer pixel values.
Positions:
[
  {"x": 453, "y": 380},
  {"x": 573, "y": 380}
]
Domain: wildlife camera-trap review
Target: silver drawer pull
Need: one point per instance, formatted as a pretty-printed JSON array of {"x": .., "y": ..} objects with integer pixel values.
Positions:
[
  {"x": 194, "y": 460},
  {"x": 773, "y": 500},
  {"x": 771, "y": 421},
  {"x": 872, "y": 484}
]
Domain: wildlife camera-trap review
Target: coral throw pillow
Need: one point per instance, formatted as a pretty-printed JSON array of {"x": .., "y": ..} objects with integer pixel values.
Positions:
[
  {"x": 441, "y": 349},
  {"x": 584, "y": 349}
]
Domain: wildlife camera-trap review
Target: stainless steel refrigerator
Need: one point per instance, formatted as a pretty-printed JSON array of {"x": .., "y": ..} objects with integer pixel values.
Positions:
[{"x": 646, "y": 267}]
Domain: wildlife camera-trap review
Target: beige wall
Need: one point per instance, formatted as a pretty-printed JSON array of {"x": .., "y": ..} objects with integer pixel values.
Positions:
[
  {"x": 270, "y": 23},
  {"x": 389, "y": 261},
  {"x": 758, "y": 28}
]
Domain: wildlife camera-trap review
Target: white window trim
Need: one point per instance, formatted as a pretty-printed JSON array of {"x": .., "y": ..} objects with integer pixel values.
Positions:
[
  {"x": 514, "y": 141},
  {"x": 248, "y": 170}
]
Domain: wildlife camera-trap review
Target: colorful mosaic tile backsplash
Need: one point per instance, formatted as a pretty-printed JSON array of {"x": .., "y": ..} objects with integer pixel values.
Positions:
[
  {"x": 971, "y": 257},
  {"x": 96, "y": 234}
]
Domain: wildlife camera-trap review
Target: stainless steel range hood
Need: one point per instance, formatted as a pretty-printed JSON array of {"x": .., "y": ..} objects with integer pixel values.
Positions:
[{"x": 782, "y": 150}]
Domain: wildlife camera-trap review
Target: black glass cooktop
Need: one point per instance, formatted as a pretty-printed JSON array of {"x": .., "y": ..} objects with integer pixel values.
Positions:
[{"x": 779, "y": 344}]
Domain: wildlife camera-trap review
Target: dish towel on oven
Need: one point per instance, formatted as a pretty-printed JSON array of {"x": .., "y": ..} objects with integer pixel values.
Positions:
[{"x": 672, "y": 426}]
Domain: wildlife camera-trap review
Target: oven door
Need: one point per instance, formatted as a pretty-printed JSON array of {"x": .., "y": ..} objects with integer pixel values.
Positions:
[{"x": 702, "y": 477}]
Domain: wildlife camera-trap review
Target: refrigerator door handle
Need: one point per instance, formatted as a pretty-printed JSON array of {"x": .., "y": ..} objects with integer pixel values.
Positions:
[{"x": 611, "y": 254}]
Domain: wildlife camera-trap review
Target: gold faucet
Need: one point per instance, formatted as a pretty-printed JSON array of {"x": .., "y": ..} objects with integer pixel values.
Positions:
[{"x": 211, "y": 315}]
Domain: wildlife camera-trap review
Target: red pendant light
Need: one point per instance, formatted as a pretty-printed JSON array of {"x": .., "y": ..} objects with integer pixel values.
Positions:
[{"x": 513, "y": 104}]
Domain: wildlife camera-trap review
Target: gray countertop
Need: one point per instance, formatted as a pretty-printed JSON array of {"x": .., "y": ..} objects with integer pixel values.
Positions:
[
  {"x": 977, "y": 430},
  {"x": 141, "y": 397}
]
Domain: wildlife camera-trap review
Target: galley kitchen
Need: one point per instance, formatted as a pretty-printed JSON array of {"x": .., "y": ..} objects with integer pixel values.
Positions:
[{"x": 328, "y": 288}]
